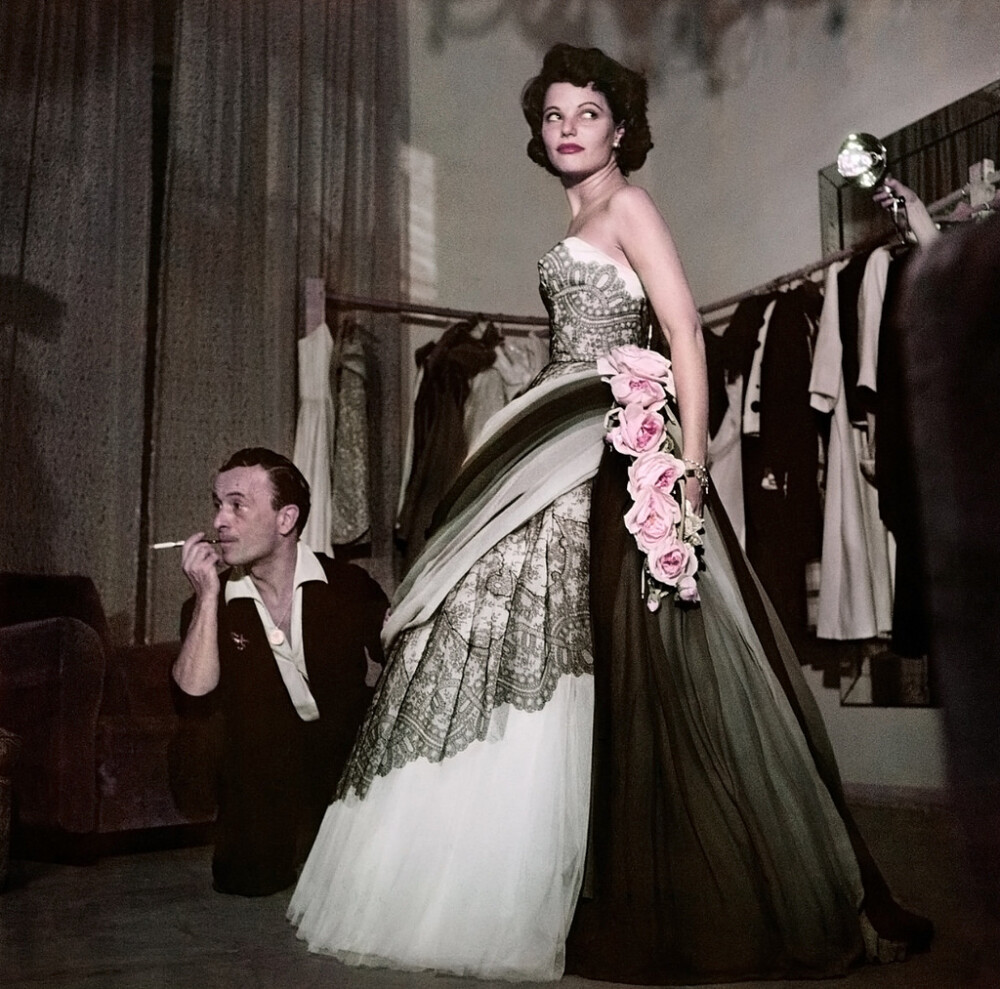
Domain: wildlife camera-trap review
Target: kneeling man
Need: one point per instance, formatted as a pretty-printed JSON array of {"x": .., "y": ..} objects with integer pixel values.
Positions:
[{"x": 288, "y": 638}]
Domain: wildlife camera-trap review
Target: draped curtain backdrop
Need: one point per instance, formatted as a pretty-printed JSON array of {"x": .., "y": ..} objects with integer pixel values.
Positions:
[
  {"x": 286, "y": 125},
  {"x": 75, "y": 115}
]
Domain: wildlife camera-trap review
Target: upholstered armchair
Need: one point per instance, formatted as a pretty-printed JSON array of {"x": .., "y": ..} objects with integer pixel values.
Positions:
[{"x": 113, "y": 756}]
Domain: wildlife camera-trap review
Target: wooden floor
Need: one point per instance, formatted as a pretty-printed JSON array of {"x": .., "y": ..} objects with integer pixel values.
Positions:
[{"x": 151, "y": 921}]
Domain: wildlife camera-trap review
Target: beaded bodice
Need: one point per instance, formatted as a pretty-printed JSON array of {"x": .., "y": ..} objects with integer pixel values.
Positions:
[{"x": 594, "y": 303}]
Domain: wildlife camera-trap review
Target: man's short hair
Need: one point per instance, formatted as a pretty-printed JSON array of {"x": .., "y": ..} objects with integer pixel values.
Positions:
[{"x": 288, "y": 486}]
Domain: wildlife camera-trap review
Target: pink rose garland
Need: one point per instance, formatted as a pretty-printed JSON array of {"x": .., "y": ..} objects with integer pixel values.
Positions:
[{"x": 660, "y": 519}]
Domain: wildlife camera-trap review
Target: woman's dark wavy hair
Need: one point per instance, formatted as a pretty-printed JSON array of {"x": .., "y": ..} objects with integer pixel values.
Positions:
[
  {"x": 623, "y": 88},
  {"x": 288, "y": 486}
]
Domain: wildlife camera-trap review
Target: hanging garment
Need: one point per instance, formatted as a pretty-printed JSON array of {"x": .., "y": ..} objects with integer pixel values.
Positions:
[
  {"x": 723, "y": 458},
  {"x": 720, "y": 845},
  {"x": 715, "y": 365},
  {"x": 448, "y": 368},
  {"x": 751, "y": 382},
  {"x": 742, "y": 333},
  {"x": 350, "y": 499},
  {"x": 894, "y": 474},
  {"x": 739, "y": 344},
  {"x": 331, "y": 436},
  {"x": 312, "y": 434},
  {"x": 518, "y": 360},
  {"x": 780, "y": 462},
  {"x": 871, "y": 301},
  {"x": 849, "y": 282},
  {"x": 855, "y": 590}
]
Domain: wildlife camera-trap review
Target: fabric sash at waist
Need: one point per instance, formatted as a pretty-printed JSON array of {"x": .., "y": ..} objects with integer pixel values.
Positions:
[{"x": 541, "y": 445}]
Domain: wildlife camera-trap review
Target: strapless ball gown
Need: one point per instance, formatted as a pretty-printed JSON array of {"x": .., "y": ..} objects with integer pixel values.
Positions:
[{"x": 494, "y": 819}]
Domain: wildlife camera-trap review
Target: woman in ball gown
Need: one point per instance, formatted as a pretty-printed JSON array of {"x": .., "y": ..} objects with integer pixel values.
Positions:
[{"x": 691, "y": 820}]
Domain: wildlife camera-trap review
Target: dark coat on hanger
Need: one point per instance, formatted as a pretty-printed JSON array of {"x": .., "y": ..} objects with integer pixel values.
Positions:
[
  {"x": 439, "y": 440},
  {"x": 741, "y": 334},
  {"x": 849, "y": 281},
  {"x": 780, "y": 466},
  {"x": 895, "y": 475}
]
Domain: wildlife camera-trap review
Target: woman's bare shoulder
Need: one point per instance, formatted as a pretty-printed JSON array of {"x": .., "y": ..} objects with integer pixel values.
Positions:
[
  {"x": 632, "y": 204},
  {"x": 632, "y": 198},
  {"x": 634, "y": 212}
]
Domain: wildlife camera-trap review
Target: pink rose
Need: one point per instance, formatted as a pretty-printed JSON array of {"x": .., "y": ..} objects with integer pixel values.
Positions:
[
  {"x": 654, "y": 469},
  {"x": 607, "y": 365},
  {"x": 652, "y": 519},
  {"x": 637, "y": 431},
  {"x": 671, "y": 560},
  {"x": 637, "y": 362},
  {"x": 687, "y": 590},
  {"x": 628, "y": 388}
]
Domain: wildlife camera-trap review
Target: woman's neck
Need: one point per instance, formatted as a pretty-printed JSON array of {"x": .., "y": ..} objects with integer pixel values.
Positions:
[{"x": 588, "y": 194}]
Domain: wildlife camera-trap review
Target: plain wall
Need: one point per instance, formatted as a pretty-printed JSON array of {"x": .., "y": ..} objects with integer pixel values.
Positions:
[{"x": 734, "y": 171}]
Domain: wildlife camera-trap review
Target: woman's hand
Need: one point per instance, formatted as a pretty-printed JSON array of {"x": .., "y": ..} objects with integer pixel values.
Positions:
[{"x": 695, "y": 495}]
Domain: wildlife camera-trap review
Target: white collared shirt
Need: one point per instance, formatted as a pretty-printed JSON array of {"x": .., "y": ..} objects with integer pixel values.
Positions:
[{"x": 288, "y": 654}]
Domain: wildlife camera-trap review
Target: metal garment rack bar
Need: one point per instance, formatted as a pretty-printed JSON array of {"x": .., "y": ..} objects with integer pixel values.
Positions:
[
  {"x": 981, "y": 185},
  {"x": 980, "y": 189},
  {"x": 421, "y": 310}
]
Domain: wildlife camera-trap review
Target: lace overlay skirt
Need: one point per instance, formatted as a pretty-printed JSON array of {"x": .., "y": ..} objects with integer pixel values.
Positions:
[
  {"x": 458, "y": 839},
  {"x": 505, "y": 635}
]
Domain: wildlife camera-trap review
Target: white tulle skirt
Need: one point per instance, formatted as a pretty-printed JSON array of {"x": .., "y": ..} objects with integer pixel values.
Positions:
[{"x": 471, "y": 865}]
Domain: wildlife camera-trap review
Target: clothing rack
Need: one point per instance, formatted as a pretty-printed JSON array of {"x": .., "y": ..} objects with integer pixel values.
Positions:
[
  {"x": 980, "y": 189},
  {"x": 317, "y": 298},
  {"x": 788, "y": 279}
]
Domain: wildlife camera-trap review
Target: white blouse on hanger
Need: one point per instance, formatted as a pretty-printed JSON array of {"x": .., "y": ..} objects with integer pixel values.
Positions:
[
  {"x": 312, "y": 434},
  {"x": 331, "y": 439},
  {"x": 855, "y": 595}
]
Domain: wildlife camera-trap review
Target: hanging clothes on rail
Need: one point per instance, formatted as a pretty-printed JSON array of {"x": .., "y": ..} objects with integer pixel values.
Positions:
[
  {"x": 871, "y": 300},
  {"x": 855, "y": 592},
  {"x": 849, "y": 281},
  {"x": 725, "y": 434},
  {"x": 781, "y": 460},
  {"x": 439, "y": 445},
  {"x": 750, "y": 421},
  {"x": 895, "y": 477},
  {"x": 331, "y": 436},
  {"x": 518, "y": 360},
  {"x": 727, "y": 374}
]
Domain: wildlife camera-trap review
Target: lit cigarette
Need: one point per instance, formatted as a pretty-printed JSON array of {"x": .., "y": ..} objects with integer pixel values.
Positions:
[{"x": 180, "y": 542}]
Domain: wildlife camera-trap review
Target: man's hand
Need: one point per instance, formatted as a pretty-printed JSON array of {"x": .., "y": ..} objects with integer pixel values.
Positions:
[
  {"x": 199, "y": 561},
  {"x": 907, "y": 208},
  {"x": 196, "y": 670}
]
